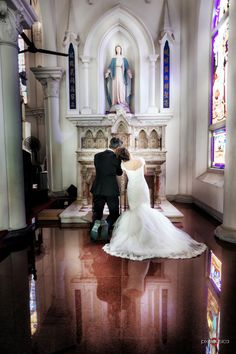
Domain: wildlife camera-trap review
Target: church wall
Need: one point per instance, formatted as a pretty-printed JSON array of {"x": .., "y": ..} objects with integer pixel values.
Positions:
[
  {"x": 207, "y": 187},
  {"x": 173, "y": 128},
  {"x": 35, "y": 97},
  {"x": 187, "y": 89},
  {"x": 172, "y": 158},
  {"x": 49, "y": 28},
  {"x": 69, "y": 145},
  {"x": 195, "y": 182},
  {"x": 85, "y": 15}
]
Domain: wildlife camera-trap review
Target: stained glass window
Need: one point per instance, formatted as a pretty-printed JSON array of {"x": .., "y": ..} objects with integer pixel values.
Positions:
[
  {"x": 220, "y": 9},
  {"x": 213, "y": 323},
  {"x": 33, "y": 307},
  {"x": 218, "y": 98},
  {"x": 219, "y": 75},
  {"x": 22, "y": 70},
  {"x": 72, "y": 87},
  {"x": 215, "y": 270},
  {"x": 166, "y": 76},
  {"x": 218, "y": 142}
]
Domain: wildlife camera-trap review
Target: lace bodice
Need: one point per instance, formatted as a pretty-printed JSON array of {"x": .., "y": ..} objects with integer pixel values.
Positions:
[
  {"x": 135, "y": 175},
  {"x": 137, "y": 189}
]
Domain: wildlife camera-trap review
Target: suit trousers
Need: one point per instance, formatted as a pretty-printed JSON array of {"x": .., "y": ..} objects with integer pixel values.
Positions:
[{"x": 99, "y": 202}]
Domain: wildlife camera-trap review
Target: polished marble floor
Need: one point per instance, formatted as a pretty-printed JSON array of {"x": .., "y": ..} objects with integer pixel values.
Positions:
[{"x": 84, "y": 301}]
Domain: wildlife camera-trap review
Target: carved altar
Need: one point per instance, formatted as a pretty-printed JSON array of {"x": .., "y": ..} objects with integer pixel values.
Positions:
[{"x": 143, "y": 135}]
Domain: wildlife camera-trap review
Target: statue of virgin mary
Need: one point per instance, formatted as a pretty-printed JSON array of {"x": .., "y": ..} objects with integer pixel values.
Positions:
[{"x": 118, "y": 82}]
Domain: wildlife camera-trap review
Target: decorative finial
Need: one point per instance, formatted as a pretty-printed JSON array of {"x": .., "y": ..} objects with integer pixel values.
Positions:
[
  {"x": 3, "y": 9},
  {"x": 166, "y": 21}
]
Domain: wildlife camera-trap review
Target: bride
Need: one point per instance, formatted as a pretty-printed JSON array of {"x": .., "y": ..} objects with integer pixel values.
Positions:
[{"x": 142, "y": 232}]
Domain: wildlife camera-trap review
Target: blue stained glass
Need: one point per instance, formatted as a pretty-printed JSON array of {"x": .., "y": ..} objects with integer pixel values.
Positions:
[
  {"x": 166, "y": 76},
  {"x": 72, "y": 87}
]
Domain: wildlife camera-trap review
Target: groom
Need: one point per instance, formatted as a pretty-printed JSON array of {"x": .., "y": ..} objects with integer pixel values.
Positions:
[{"x": 105, "y": 189}]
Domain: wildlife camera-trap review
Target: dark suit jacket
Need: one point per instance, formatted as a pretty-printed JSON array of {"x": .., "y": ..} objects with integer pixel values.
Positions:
[{"x": 107, "y": 168}]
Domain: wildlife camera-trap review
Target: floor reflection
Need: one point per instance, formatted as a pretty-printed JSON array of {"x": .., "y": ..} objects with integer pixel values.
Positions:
[{"x": 84, "y": 301}]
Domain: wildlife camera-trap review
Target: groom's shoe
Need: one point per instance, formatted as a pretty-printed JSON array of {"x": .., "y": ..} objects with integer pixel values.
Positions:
[
  {"x": 104, "y": 231},
  {"x": 94, "y": 233}
]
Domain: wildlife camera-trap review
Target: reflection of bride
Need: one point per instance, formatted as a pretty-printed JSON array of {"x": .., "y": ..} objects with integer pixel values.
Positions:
[
  {"x": 118, "y": 85},
  {"x": 142, "y": 232}
]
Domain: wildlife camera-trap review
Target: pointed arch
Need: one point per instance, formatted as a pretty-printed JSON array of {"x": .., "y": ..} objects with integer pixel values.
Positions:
[
  {"x": 101, "y": 140},
  {"x": 120, "y": 24},
  {"x": 88, "y": 140},
  {"x": 142, "y": 140},
  {"x": 153, "y": 140}
]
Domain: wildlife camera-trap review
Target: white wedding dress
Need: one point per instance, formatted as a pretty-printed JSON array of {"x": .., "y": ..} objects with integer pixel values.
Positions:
[{"x": 142, "y": 232}]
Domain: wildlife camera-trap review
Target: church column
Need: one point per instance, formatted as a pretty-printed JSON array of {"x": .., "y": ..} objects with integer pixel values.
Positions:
[
  {"x": 79, "y": 167},
  {"x": 86, "y": 109},
  {"x": 152, "y": 81},
  {"x": 84, "y": 176},
  {"x": 227, "y": 231},
  {"x": 157, "y": 173},
  {"x": 12, "y": 215},
  {"x": 79, "y": 182},
  {"x": 50, "y": 79}
]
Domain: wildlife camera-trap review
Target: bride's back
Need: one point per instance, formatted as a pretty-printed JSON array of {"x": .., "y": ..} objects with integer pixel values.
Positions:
[
  {"x": 137, "y": 189},
  {"x": 133, "y": 164}
]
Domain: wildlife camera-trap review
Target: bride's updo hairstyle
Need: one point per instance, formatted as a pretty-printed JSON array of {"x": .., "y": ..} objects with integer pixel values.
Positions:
[{"x": 123, "y": 154}]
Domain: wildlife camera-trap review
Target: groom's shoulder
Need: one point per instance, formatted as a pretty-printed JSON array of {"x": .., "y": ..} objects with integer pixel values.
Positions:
[{"x": 103, "y": 153}]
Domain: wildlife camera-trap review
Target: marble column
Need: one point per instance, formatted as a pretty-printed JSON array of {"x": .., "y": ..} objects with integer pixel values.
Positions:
[
  {"x": 12, "y": 215},
  {"x": 84, "y": 173},
  {"x": 50, "y": 79},
  {"x": 152, "y": 84},
  {"x": 157, "y": 173},
  {"x": 86, "y": 109},
  {"x": 227, "y": 231},
  {"x": 79, "y": 182}
]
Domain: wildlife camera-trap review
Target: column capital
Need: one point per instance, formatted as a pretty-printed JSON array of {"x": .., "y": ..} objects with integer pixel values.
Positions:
[
  {"x": 49, "y": 78},
  {"x": 85, "y": 59},
  {"x": 14, "y": 16},
  {"x": 153, "y": 58},
  {"x": 71, "y": 37}
]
